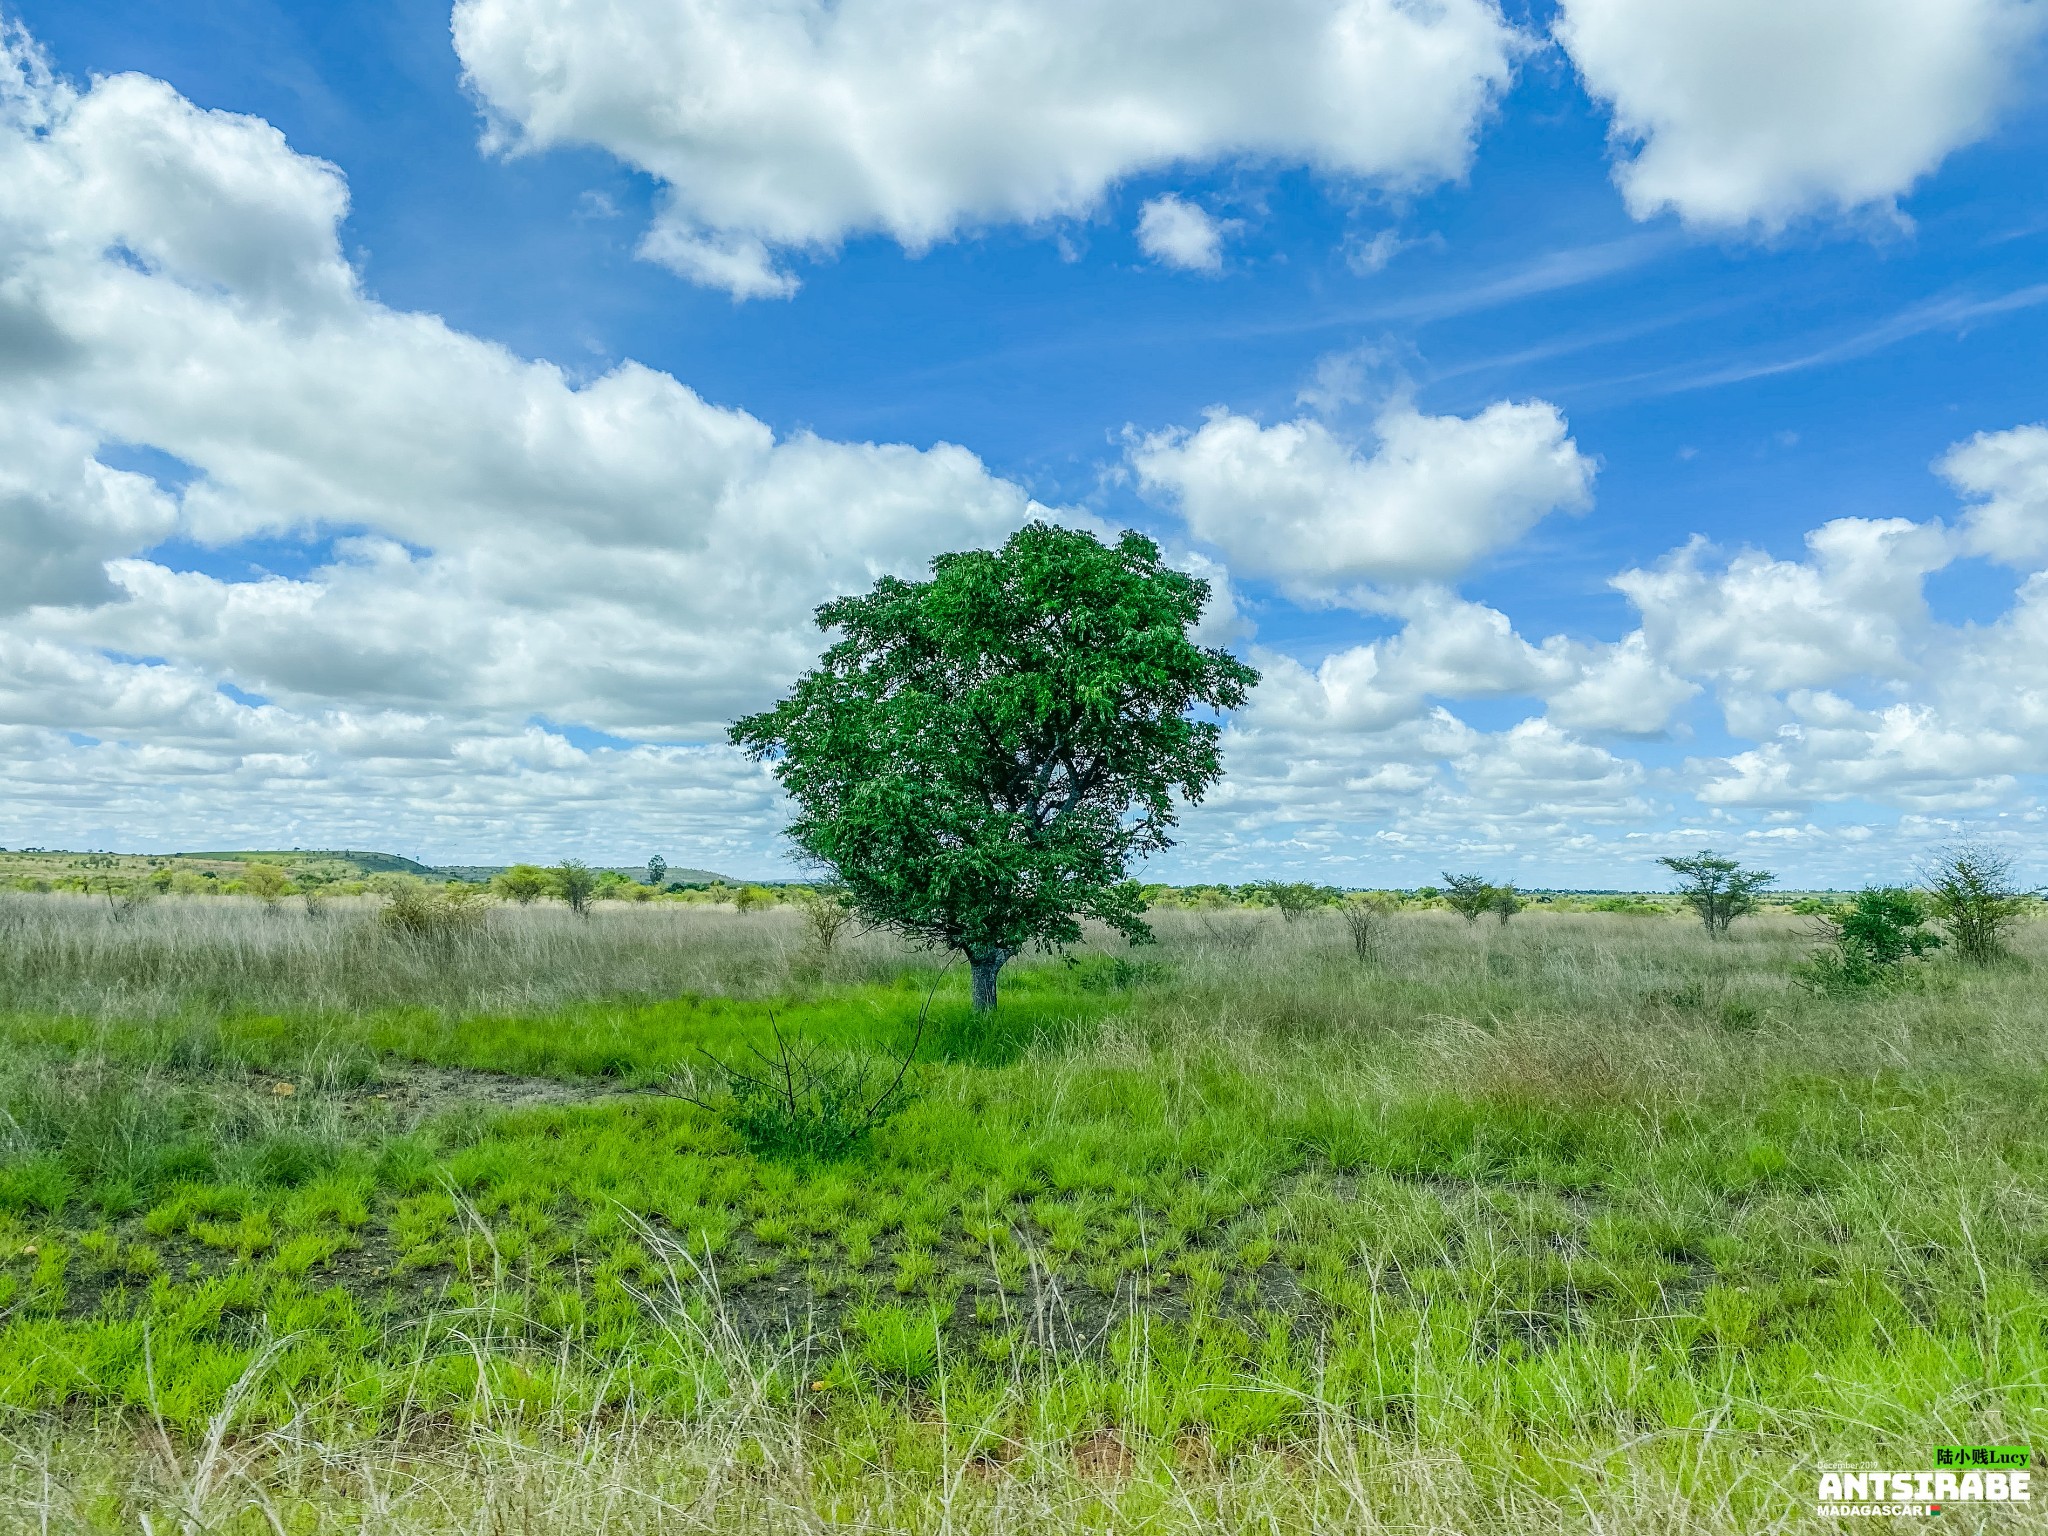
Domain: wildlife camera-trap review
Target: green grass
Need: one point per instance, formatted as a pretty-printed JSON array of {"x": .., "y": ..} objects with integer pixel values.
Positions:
[{"x": 1581, "y": 1223}]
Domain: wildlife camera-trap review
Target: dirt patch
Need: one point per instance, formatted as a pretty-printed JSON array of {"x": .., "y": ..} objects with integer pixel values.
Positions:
[
  {"x": 416, "y": 1092},
  {"x": 1104, "y": 1458}
]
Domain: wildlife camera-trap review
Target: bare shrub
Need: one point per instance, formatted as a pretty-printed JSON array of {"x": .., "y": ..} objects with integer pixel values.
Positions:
[
  {"x": 826, "y": 914},
  {"x": 1365, "y": 919},
  {"x": 1235, "y": 935}
]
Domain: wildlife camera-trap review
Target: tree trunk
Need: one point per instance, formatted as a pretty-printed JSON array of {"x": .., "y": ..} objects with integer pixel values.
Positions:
[{"x": 985, "y": 967}]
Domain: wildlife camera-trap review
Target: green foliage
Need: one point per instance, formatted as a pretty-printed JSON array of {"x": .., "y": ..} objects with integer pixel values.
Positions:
[
  {"x": 575, "y": 883},
  {"x": 1886, "y": 926},
  {"x": 983, "y": 754},
  {"x": 267, "y": 882},
  {"x": 614, "y": 886},
  {"x": 1295, "y": 899},
  {"x": 826, "y": 914},
  {"x": 1719, "y": 890},
  {"x": 435, "y": 912},
  {"x": 801, "y": 1100},
  {"x": 1470, "y": 896},
  {"x": 1971, "y": 891},
  {"x": 657, "y": 871},
  {"x": 899, "y": 1342},
  {"x": 523, "y": 883},
  {"x": 1507, "y": 901},
  {"x": 1868, "y": 942}
]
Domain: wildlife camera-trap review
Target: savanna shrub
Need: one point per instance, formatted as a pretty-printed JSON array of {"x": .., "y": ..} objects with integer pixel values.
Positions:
[
  {"x": 1869, "y": 942},
  {"x": 1364, "y": 921},
  {"x": 425, "y": 912},
  {"x": 803, "y": 1103},
  {"x": 1970, "y": 889},
  {"x": 826, "y": 914}
]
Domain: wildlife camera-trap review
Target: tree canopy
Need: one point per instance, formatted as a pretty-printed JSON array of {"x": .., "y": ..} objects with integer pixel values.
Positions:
[
  {"x": 980, "y": 756},
  {"x": 1718, "y": 889}
]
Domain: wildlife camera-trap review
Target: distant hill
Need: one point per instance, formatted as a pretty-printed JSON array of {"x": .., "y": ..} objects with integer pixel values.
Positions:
[
  {"x": 476, "y": 874},
  {"x": 328, "y": 863},
  {"x": 365, "y": 862},
  {"x": 362, "y": 861}
]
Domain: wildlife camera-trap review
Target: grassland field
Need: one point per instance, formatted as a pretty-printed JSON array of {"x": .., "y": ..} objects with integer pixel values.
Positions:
[{"x": 1582, "y": 1222}]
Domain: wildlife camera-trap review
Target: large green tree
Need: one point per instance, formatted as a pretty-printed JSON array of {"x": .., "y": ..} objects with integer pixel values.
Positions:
[{"x": 981, "y": 756}]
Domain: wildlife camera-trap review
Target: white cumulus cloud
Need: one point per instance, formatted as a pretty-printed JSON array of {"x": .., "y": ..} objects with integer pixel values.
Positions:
[
  {"x": 489, "y": 543},
  {"x": 2006, "y": 476},
  {"x": 1853, "y": 608},
  {"x": 1756, "y": 112},
  {"x": 793, "y": 124},
  {"x": 1181, "y": 234},
  {"x": 1323, "y": 515}
]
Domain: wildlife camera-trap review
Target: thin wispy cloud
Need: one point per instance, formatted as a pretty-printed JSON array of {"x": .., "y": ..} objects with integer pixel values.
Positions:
[{"x": 1947, "y": 312}]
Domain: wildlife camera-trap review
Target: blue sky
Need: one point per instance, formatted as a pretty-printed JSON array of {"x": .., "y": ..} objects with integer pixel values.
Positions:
[{"x": 1733, "y": 335}]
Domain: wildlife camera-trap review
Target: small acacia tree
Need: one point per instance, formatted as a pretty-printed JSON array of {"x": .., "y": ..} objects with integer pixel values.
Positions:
[
  {"x": 523, "y": 883},
  {"x": 982, "y": 755},
  {"x": 1719, "y": 890},
  {"x": 1507, "y": 901},
  {"x": 266, "y": 882},
  {"x": 826, "y": 915},
  {"x": 1365, "y": 916},
  {"x": 1470, "y": 896},
  {"x": 1295, "y": 899},
  {"x": 575, "y": 882}
]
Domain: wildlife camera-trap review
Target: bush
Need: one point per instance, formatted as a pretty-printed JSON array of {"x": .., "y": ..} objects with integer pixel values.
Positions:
[
  {"x": 1970, "y": 889},
  {"x": 266, "y": 882},
  {"x": 800, "y": 1102},
  {"x": 1868, "y": 942},
  {"x": 575, "y": 883},
  {"x": 1364, "y": 920},
  {"x": 826, "y": 913},
  {"x": 523, "y": 883},
  {"x": 1295, "y": 899},
  {"x": 1470, "y": 896},
  {"x": 426, "y": 912}
]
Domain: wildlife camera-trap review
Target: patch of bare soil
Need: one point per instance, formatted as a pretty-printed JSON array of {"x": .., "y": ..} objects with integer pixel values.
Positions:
[
  {"x": 1104, "y": 1458},
  {"x": 419, "y": 1092}
]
